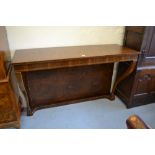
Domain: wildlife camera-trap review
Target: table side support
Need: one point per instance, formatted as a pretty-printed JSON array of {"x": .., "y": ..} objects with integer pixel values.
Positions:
[
  {"x": 24, "y": 92},
  {"x": 129, "y": 70}
]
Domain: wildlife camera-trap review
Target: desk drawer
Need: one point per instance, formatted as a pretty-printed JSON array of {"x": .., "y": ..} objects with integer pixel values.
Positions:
[
  {"x": 145, "y": 81},
  {"x": 144, "y": 87}
]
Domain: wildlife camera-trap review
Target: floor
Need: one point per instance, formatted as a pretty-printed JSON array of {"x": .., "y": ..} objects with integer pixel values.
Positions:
[{"x": 97, "y": 114}]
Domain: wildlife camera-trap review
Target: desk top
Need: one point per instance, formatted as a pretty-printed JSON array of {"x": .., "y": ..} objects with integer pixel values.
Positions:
[
  {"x": 72, "y": 52},
  {"x": 108, "y": 53}
]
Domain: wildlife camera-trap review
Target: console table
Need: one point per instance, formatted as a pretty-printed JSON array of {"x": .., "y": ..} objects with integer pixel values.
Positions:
[{"x": 62, "y": 75}]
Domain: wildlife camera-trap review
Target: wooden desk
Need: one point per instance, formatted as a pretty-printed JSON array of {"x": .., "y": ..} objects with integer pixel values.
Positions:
[{"x": 62, "y": 75}]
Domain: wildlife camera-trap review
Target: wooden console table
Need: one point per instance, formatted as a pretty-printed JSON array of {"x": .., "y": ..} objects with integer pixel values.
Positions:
[{"x": 62, "y": 75}]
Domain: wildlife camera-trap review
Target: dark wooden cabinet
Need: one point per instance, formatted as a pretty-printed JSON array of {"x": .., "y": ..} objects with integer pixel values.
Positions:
[
  {"x": 9, "y": 107},
  {"x": 149, "y": 48},
  {"x": 139, "y": 88}
]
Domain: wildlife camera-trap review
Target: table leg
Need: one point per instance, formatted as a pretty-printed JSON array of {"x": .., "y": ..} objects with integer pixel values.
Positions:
[
  {"x": 122, "y": 77},
  {"x": 23, "y": 90}
]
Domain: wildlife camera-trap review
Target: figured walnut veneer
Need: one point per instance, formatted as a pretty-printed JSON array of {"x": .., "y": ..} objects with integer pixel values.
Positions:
[{"x": 57, "y": 57}]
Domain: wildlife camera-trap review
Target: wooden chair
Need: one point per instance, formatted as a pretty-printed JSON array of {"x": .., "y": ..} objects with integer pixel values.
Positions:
[{"x": 135, "y": 122}]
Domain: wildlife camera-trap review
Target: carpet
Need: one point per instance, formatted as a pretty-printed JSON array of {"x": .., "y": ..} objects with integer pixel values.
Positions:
[{"x": 97, "y": 114}]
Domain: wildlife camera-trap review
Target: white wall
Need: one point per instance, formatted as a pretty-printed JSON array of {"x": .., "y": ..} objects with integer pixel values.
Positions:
[
  {"x": 20, "y": 37},
  {"x": 35, "y": 37}
]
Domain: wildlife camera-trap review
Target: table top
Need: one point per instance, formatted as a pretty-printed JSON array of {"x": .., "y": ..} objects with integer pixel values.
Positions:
[
  {"x": 70, "y": 52},
  {"x": 59, "y": 57}
]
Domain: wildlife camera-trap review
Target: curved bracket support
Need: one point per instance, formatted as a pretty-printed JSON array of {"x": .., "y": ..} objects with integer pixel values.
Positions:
[
  {"x": 122, "y": 77},
  {"x": 23, "y": 91}
]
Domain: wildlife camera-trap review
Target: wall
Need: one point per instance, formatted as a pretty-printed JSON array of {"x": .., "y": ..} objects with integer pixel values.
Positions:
[{"x": 20, "y": 37}]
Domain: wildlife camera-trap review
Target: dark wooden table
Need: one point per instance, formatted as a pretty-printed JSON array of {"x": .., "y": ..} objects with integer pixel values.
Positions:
[{"x": 62, "y": 75}]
